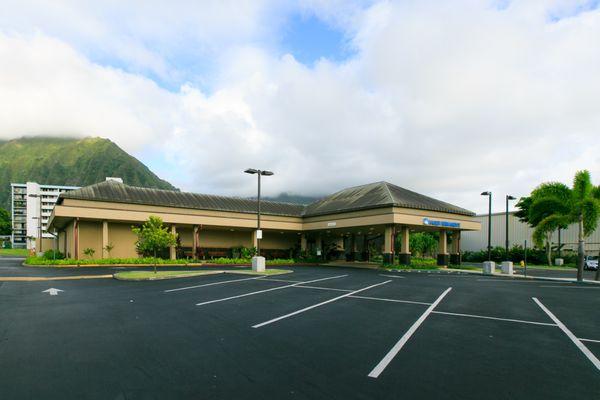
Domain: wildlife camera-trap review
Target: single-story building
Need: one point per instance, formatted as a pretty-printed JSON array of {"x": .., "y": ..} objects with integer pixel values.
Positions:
[{"x": 349, "y": 224}]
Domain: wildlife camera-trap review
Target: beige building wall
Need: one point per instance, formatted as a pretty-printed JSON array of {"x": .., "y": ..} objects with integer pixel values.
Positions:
[
  {"x": 70, "y": 242},
  {"x": 90, "y": 236},
  {"x": 121, "y": 236}
]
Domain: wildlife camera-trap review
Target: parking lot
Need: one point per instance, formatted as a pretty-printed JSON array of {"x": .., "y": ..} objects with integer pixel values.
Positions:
[{"x": 317, "y": 333}]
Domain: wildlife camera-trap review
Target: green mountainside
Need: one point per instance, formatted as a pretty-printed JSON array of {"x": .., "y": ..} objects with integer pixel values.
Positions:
[{"x": 71, "y": 162}]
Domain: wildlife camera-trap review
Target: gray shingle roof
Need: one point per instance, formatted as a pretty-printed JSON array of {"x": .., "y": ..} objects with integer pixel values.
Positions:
[
  {"x": 373, "y": 195},
  {"x": 379, "y": 194},
  {"x": 118, "y": 192}
]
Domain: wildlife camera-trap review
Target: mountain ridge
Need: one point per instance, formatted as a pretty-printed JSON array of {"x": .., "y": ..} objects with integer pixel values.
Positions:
[{"x": 71, "y": 162}]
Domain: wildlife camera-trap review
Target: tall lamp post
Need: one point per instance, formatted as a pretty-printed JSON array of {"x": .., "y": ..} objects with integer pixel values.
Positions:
[
  {"x": 489, "y": 244},
  {"x": 38, "y": 196},
  {"x": 258, "y": 262},
  {"x": 508, "y": 197}
]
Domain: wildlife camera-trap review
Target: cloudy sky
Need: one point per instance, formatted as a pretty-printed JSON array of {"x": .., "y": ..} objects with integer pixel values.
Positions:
[{"x": 445, "y": 98}]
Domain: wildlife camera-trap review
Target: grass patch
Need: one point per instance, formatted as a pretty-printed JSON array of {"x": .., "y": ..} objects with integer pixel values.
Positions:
[
  {"x": 565, "y": 267},
  {"x": 465, "y": 267},
  {"x": 272, "y": 271},
  {"x": 14, "y": 252},
  {"x": 151, "y": 276}
]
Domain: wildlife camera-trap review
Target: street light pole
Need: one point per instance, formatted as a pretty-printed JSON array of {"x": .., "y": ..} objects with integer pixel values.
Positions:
[
  {"x": 258, "y": 231},
  {"x": 489, "y": 245},
  {"x": 508, "y": 197}
]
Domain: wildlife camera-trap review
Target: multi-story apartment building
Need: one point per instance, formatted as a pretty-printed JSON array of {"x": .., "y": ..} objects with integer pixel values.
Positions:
[{"x": 31, "y": 205}]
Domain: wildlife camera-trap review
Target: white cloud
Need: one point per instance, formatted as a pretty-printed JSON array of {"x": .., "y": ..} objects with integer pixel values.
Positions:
[{"x": 447, "y": 99}]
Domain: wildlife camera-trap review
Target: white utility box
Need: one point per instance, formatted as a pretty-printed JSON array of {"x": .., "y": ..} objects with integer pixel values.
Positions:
[
  {"x": 489, "y": 267},
  {"x": 507, "y": 267},
  {"x": 559, "y": 261},
  {"x": 258, "y": 264}
]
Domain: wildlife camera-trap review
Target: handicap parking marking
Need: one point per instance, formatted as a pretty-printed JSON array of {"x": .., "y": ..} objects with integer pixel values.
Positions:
[
  {"x": 398, "y": 346},
  {"x": 570, "y": 335},
  {"x": 317, "y": 305},
  {"x": 269, "y": 290}
]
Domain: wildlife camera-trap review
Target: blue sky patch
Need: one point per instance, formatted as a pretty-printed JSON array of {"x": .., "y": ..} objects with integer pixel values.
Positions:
[{"x": 308, "y": 39}]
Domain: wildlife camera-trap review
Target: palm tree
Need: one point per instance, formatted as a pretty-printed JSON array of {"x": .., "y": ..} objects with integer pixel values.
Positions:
[
  {"x": 555, "y": 206},
  {"x": 545, "y": 210},
  {"x": 585, "y": 211}
]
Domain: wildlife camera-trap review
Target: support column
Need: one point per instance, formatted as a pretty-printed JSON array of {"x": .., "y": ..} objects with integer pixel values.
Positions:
[
  {"x": 173, "y": 249},
  {"x": 319, "y": 246},
  {"x": 254, "y": 239},
  {"x": 443, "y": 258},
  {"x": 104, "y": 239},
  {"x": 455, "y": 258},
  {"x": 354, "y": 248},
  {"x": 404, "y": 256},
  {"x": 195, "y": 242},
  {"x": 303, "y": 243},
  {"x": 388, "y": 246},
  {"x": 76, "y": 239}
]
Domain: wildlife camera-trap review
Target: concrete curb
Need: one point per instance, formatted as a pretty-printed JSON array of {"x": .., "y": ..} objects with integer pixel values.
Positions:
[{"x": 51, "y": 278}]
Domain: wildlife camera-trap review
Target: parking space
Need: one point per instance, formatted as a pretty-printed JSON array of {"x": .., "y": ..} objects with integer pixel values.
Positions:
[{"x": 316, "y": 333}]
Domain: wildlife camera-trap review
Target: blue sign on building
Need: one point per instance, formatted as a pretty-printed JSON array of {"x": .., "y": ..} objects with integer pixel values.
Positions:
[{"x": 445, "y": 224}]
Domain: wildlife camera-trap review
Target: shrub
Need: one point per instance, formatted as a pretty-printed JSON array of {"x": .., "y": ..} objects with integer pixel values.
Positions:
[
  {"x": 89, "y": 252},
  {"x": 515, "y": 254},
  {"x": 53, "y": 255}
]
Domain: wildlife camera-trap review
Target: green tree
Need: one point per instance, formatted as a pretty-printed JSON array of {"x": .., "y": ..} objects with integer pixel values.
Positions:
[
  {"x": 559, "y": 208},
  {"x": 153, "y": 237},
  {"x": 422, "y": 243},
  {"x": 585, "y": 211},
  {"x": 545, "y": 210},
  {"x": 5, "y": 225}
]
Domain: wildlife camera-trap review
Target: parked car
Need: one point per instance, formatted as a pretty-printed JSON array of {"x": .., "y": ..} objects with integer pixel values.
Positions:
[{"x": 591, "y": 263}]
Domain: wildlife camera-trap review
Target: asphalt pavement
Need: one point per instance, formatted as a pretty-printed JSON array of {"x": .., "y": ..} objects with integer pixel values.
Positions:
[{"x": 317, "y": 333}]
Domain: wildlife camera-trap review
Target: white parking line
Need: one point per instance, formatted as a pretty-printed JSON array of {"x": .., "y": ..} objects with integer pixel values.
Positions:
[
  {"x": 390, "y": 300},
  {"x": 494, "y": 318},
  {"x": 589, "y": 340},
  {"x": 392, "y": 276},
  {"x": 317, "y": 305},
  {"x": 213, "y": 283},
  {"x": 570, "y": 335},
  {"x": 281, "y": 280},
  {"x": 268, "y": 290},
  {"x": 398, "y": 346},
  {"x": 323, "y": 288}
]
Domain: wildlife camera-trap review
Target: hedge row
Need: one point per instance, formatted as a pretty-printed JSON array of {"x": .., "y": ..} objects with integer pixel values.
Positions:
[{"x": 148, "y": 260}]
